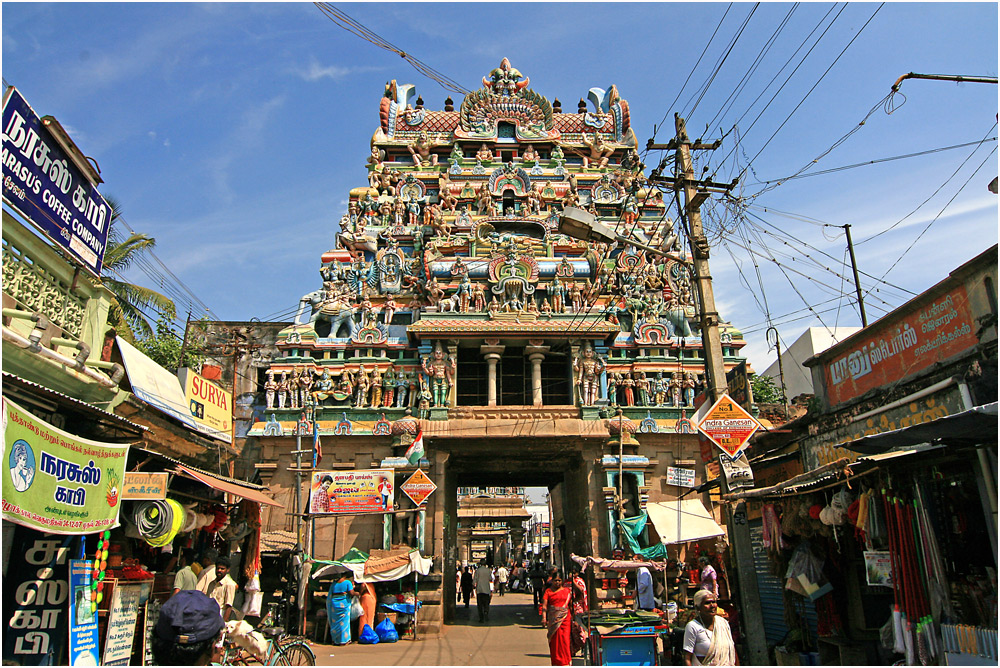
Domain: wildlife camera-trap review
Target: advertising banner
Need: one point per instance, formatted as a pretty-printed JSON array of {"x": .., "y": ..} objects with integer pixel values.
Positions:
[
  {"x": 35, "y": 599},
  {"x": 208, "y": 404},
  {"x": 83, "y": 649},
  {"x": 902, "y": 345},
  {"x": 125, "y": 601},
  {"x": 728, "y": 425},
  {"x": 58, "y": 482},
  {"x": 363, "y": 491},
  {"x": 46, "y": 186}
]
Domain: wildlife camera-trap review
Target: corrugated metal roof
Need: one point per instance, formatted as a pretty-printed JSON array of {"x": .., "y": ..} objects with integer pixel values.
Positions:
[
  {"x": 83, "y": 405},
  {"x": 223, "y": 478}
]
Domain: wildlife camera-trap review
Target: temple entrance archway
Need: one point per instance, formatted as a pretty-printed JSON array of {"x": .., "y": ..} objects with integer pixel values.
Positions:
[{"x": 561, "y": 465}]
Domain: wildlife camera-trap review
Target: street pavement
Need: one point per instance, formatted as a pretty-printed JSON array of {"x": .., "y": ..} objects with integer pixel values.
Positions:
[{"x": 513, "y": 637}]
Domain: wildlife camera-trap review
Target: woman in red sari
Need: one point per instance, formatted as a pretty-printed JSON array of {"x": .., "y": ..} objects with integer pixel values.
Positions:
[{"x": 555, "y": 612}]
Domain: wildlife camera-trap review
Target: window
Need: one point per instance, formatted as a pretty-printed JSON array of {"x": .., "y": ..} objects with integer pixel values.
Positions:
[
  {"x": 557, "y": 387},
  {"x": 514, "y": 378},
  {"x": 473, "y": 377}
]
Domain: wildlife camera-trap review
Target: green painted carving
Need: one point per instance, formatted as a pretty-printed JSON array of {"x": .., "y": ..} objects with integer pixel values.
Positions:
[{"x": 37, "y": 290}]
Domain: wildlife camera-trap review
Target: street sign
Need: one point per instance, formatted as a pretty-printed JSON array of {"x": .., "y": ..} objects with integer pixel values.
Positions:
[
  {"x": 728, "y": 425},
  {"x": 418, "y": 487},
  {"x": 680, "y": 477}
]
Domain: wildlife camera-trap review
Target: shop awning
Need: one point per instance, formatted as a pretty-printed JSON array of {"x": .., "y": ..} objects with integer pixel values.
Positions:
[
  {"x": 379, "y": 570},
  {"x": 971, "y": 427},
  {"x": 618, "y": 564},
  {"x": 228, "y": 486},
  {"x": 682, "y": 521}
]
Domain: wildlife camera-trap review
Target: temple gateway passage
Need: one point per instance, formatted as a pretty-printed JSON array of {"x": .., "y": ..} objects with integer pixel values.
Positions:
[{"x": 454, "y": 330}]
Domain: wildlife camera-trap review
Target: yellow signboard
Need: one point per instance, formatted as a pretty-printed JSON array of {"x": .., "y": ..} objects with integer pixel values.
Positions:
[
  {"x": 208, "y": 404},
  {"x": 139, "y": 486}
]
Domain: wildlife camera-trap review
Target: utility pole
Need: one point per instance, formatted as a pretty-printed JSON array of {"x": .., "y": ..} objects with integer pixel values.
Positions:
[
  {"x": 857, "y": 281},
  {"x": 695, "y": 194}
]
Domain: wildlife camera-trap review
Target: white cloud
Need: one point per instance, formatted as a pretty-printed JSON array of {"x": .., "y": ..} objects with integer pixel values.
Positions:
[{"x": 314, "y": 71}]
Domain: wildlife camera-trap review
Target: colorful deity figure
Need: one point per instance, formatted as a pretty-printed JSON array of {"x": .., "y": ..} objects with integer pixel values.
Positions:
[
  {"x": 533, "y": 201},
  {"x": 588, "y": 368},
  {"x": 323, "y": 388},
  {"x": 362, "y": 384},
  {"x": 424, "y": 399},
  {"x": 546, "y": 307},
  {"x": 600, "y": 152},
  {"x": 557, "y": 295},
  {"x": 484, "y": 154},
  {"x": 413, "y": 212},
  {"x": 440, "y": 368},
  {"x": 434, "y": 293},
  {"x": 402, "y": 389},
  {"x": 376, "y": 392},
  {"x": 270, "y": 387},
  {"x": 478, "y": 298},
  {"x": 661, "y": 387},
  {"x": 375, "y": 161},
  {"x": 420, "y": 149},
  {"x": 398, "y": 215},
  {"x": 626, "y": 382},
  {"x": 305, "y": 387},
  {"x": 576, "y": 297},
  {"x": 459, "y": 268},
  {"x": 613, "y": 379},
  {"x": 388, "y": 386},
  {"x": 464, "y": 293},
  {"x": 484, "y": 201},
  {"x": 677, "y": 389},
  {"x": 631, "y": 212},
  {"x": 456, "y": 155},
  {"x": 642, "y": 386},
  {"x": 389, "y": 308},
  {"x": 293, "y": 389},
  {"x": 689, "y": 387},
  {"x": 529, "y": 156},
  {"x": 282, "y": 389}
]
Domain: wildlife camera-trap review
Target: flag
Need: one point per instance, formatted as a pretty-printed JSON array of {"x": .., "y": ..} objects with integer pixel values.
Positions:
[
  {"x": 416, "y": 449},
  {"x": 317, "y": 446}
]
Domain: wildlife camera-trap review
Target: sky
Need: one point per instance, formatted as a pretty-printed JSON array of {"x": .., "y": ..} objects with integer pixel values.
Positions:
[{"x": 232, "y": 133}]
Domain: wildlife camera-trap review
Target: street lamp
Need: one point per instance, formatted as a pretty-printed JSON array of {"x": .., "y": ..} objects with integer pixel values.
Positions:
[{"x": 580, "y": 224}]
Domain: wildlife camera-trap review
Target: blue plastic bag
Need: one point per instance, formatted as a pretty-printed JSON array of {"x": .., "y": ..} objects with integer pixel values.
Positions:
[
  {"x": 386, "y": 631},
  {"x": 368, "y": 636}
]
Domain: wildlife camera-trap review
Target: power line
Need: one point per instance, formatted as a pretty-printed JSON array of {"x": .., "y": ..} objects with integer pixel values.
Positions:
[{"x": 721, "y": 62}]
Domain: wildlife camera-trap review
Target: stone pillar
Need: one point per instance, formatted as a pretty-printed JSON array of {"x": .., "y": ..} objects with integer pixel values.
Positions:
[
  {"x": 491, "y": 351},
  {"x": 536, "y": 353}
]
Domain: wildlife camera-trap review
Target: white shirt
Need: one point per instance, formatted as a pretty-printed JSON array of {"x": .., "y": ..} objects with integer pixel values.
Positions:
[
  {"x": 502, "y": 574},
  {"x": 644, "y": 588},
  {"x": 206, "y": 578},
  {"x": 697, "y": 638}
]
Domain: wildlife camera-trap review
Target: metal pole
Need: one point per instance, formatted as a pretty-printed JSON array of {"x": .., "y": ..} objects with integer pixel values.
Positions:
[
  {"x": 298, "y": 483},
  {"x": 781, "y": 367},
  {"x": 857, "y": 281}
]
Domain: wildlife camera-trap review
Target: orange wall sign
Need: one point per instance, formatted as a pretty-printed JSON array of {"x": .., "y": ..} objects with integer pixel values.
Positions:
[{"x": 728, "y": 425}]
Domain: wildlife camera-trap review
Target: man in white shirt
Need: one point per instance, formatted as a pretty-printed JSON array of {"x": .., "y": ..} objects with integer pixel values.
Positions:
[
  {"x": 502, "y": 575},
  {"x": 484, "y": 590},
  {"x": 644, "y": 589},
  {"x": 223, "y": 588}
]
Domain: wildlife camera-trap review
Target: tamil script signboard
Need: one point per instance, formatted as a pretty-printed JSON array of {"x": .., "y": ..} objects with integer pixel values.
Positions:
[
  {"x": 58, "y": 482},
  {"x": 125, "y": 601},
  {"x": 418, "y": 487},
  {"x": 139, "y": 486},
  {"x": 738, "y": 381},
  {"x": 728, "y": 425},
  {"x": 83, "y": 649},
  {"x": 901, "y": 345},
  {"x": 680, "y": 477},
  {"x": 45, "y": 185},
  {"x": 342, "y": 492}
]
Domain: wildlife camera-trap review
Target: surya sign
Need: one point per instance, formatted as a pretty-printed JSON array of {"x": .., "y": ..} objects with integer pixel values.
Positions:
[
  {"x": 911, "y": 342},
  {"x": 207, "y": 402}
]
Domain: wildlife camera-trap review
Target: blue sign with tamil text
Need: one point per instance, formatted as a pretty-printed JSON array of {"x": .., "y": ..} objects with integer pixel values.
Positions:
[
  {"x": 45, "y": 185},
  {"x": 83, "y": 649}
]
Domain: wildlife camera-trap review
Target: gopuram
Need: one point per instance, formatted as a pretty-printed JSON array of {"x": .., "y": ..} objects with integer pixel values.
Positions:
[{"x": 451, "y": 307}]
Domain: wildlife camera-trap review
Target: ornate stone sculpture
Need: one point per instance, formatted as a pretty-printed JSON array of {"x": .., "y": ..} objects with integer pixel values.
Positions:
[
  {"x": 361, "y": 386},
  {"x": 282, "y": 389},
  {"x": 588, "y": 368},
  {"x": 420, "y": 149},
  {"x": 440, "y": 369},
  {"x": 270, "y": 387},
  {"x": 600, "y": 152}
]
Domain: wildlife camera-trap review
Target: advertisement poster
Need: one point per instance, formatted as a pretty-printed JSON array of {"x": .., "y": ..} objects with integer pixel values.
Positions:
[
  {"x": 878, "y": 568},
  {"x": 57, "y": 482},
  {"x": 728, "y": 425},
  {"x": 83, "y": 649},
  {"x": 36, "y": 599},
  {"x": 46, "y": 185},
  {"x": 364, "y": 491},
  {"x": 125, "y": 601},
  {"x": 208, "y": 404},
  {"x": 418, "y": 487}
]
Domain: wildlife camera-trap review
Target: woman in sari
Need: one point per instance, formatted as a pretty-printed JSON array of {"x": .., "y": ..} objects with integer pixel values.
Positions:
[
  {"x": 556, "y": 617},
  {"x": 707, "y": 638},
  {"x": 578, "y": 608},
  {"x": 338, "y": 608},
  {"x": 368, "y": 605}
]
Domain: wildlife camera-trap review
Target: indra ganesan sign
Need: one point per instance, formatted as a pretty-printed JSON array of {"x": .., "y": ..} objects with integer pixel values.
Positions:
[{"x": 728, "y": 425}]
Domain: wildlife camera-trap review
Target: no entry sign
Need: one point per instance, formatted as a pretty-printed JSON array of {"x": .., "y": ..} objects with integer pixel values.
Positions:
[{"x": 728, "y": 425}]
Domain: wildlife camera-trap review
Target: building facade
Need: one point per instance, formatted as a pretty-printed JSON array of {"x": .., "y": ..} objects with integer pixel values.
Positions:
[{"x": 451, "y": 314}]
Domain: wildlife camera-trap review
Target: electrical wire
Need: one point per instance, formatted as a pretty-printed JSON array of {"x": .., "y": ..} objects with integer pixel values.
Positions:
[
  {"x": 718, "y": 67},
  {"x": 354, "y": 27}
]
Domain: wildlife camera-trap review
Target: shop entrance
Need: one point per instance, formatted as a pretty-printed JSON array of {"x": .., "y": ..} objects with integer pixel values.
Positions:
[{"x": 491, "y": 524}]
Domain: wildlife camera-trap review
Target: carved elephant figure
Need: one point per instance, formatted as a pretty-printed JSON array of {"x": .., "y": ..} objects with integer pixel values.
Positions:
[
  {"x": 337, "y": 314},
  {"x": 676, "y": 320}
]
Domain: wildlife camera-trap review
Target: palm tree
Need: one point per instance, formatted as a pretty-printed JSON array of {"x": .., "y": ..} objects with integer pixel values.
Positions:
[{"x": 128, "y": 299}]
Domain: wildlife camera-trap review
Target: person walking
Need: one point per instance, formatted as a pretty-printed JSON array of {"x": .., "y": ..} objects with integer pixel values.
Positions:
[
  {"x": 537, "y": 577},
  {"x": 468, "y": 585},
  {"x": 554, "y": 610},
  {"x": 484, "y": 590},
  {"x": 338, "y": 607},
  {"x": 709, "y": 578},
  {"x": 185, "y": 578},
  {"x": 502, "y": 575},
  {"x": 708, "y": 640}
]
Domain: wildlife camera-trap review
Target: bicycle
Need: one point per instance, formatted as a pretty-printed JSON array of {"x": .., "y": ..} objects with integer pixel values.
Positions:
[{"x": 282, "y": 650}]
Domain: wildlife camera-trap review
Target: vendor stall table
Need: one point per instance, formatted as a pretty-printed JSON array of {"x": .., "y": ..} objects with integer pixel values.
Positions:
[{"x": 624, "y": 637}]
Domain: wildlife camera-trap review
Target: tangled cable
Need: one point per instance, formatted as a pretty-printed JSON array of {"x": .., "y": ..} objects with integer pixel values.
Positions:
[{"x": 158, "y": 522}]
